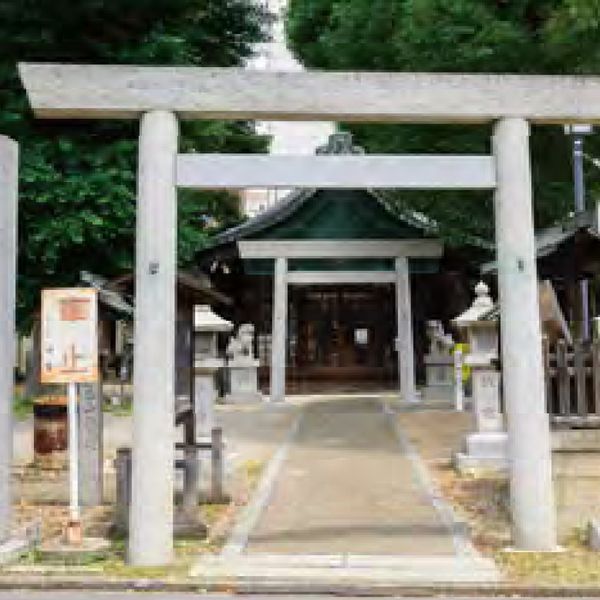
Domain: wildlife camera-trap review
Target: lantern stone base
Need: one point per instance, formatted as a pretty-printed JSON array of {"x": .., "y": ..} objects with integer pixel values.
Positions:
[
  {"x": 438, "y": 391},
  {"x": 187, "y": 524},
  {"x": 484, "y": 452}
]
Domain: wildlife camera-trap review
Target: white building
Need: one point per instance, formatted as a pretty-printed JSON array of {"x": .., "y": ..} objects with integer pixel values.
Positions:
[{"x": 287, "y": 138}]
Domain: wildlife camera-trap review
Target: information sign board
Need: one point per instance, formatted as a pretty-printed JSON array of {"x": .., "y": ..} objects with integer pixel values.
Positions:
[{"x": 69, "y": 350}]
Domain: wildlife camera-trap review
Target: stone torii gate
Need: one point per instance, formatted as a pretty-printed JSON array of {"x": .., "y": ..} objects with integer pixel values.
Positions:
[{"x": 158, "y": 96}]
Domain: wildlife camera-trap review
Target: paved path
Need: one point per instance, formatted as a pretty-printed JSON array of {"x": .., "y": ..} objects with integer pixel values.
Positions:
[
  {"x": 346, "y": 500},
  {"x": 348, "y": 488}
]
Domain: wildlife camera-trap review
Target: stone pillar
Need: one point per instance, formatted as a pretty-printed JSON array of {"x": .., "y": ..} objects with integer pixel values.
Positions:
[
  {"x": 123, "y": 491},
  {"x": 531, "y": 490},
  {"x": 91, "y": 459},
  {"x": 151, "y": 518},
  {"x": 205, "y": 398},
  {"x": 279, "y": 331},
  {"x": 404, "y": 341},
  {"x": 9, "y": 160}
]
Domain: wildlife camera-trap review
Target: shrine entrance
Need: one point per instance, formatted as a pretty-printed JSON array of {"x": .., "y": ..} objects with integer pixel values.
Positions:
[
  {"x": 160, "y": 96},
  {"x": 327, "y": 278},
  {"x": 340, "y": 338}
]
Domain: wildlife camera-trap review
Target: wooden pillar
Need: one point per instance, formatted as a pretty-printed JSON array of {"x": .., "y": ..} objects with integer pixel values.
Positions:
[
  {"x": 530, "y": 458},
  {"x": 151, "y": 518},
  {"x": 9, "y": 160},
  {"x": 279, "y": 330},
  {"x": 404, "y": 341}
]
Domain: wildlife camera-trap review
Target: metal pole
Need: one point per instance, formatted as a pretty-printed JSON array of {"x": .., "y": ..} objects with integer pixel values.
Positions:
[
  {"x": 579, "y": 193},
  {"x": 459, "y": 393},
  {"x": 74, "y": 526}
]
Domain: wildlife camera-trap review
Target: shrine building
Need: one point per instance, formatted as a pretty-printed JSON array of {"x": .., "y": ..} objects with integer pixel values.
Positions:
[{"x": 331, "y": 279}]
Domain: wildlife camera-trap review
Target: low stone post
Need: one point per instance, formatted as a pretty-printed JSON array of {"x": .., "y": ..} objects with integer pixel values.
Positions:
[
  {"x": 459, "y": 388},
  {"x": 217, "y": 466},
  {"x": 123, "y": 489},
  {"x": 191, "y": 469},
  {"x": 91, "y": 459},
  {"x": 9, "y": 159},
  {"x": 191, "y": 481},
  {"x": 485, "y": 448}
]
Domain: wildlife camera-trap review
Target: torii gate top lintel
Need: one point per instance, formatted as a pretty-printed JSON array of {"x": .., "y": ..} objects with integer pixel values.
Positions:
[{"x": 125, "y": 92}]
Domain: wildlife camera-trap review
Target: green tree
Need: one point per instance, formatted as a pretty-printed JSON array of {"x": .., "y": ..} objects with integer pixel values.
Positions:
[
  {"x": 77, "y": 180},
  {"x": 518, "y": 36}
]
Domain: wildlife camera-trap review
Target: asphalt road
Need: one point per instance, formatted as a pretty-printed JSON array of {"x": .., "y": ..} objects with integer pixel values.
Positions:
[{"x": 87, "y": 595}]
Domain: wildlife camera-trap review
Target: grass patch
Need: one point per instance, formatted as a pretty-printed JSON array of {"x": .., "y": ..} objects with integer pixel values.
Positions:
[
  {"x": 22, "y": 407},
  {"x": 576, "y": 565},
  {"x": 124, "y": 409},
  {"x": 253, "y": 470}
]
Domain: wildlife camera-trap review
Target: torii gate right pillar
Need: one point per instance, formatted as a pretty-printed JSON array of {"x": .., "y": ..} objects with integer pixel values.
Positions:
[{"x": 530, "y": 457}]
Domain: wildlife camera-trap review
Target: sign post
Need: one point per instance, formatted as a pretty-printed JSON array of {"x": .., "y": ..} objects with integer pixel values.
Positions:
[
  {"x": 74, "y": 534},
  {"x": 70, "y": 356}
]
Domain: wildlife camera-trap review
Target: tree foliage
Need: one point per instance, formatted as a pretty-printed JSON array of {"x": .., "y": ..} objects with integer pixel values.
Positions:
[
  {"x": 518, "y": 36},
  {"x": 77, "y": 179}
]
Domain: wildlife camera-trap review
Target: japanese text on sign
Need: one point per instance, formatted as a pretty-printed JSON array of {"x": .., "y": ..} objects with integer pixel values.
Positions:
[{"x": 69, "y": 335}]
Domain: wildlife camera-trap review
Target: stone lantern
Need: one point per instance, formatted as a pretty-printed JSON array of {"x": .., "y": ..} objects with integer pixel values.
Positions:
[
  {"x": 208, "y": 326},
  {"x": 485, "y": 448}
]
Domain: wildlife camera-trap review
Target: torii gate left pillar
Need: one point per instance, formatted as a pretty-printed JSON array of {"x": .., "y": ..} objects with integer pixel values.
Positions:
[{"x": 151, "y": 512}]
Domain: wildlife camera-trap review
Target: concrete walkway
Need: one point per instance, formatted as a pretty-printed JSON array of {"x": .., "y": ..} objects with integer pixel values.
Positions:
[
  {"x": 347, "y": 488},
  {"x": 347, "y": 496}
]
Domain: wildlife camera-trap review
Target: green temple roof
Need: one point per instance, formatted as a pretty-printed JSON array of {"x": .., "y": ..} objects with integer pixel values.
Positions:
[
  {"x": 329, "y": 215},
  {"x": 332, "y": 214}
]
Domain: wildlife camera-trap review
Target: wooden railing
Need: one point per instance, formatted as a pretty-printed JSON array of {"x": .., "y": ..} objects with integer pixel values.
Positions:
[{"x": 572, "y": 379}]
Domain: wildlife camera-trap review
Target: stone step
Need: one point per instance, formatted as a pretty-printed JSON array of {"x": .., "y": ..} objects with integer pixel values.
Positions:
[{"x": 332, "y": 569}]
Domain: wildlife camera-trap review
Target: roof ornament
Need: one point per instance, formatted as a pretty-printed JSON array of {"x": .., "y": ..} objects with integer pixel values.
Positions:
[{"x": 340, "y": 143}]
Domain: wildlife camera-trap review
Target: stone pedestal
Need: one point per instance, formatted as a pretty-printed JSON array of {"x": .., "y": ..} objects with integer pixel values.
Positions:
[
  {"x": 439, "y": 377},
  {"x": 242, "y": 367},
  {"x": 243, "y": 382},
  {"x": 439, "y": 364},
  {"x": 486, "y": 448},
  {"x": 205, "y": 394}
]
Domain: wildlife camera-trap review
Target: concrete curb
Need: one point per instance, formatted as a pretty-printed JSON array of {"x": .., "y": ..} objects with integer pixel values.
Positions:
[{"x": 371, "y": 589}]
